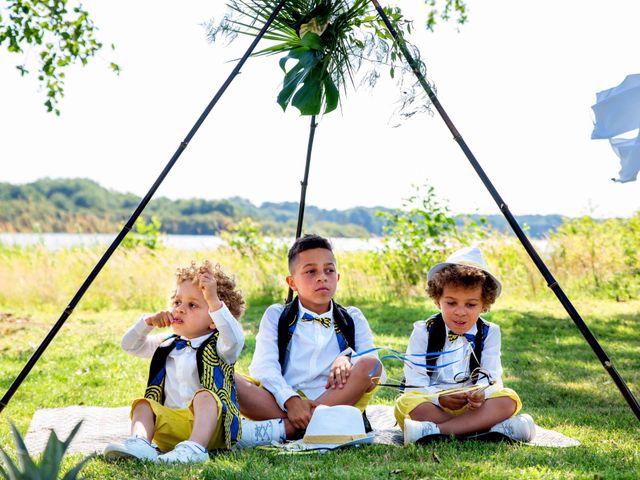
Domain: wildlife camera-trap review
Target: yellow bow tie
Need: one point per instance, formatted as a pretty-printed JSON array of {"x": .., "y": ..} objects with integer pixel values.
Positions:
[{"x": 324, "y": 321}]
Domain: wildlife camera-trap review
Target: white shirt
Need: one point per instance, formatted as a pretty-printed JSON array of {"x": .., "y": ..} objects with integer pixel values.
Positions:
[
  {"x": 311, "y": 351},
  {"x": 182, "y": 380},
  {"x": 443, "y": 378}
]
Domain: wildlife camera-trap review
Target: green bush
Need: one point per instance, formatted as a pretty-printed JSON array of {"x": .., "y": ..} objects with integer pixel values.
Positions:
[{"x": 420, "y": 235}]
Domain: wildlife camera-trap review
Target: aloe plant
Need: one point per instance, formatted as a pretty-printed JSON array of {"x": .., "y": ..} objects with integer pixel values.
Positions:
[{"x": 49, "y": 466}]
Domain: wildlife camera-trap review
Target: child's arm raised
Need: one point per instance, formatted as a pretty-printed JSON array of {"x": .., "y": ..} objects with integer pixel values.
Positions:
[
  {"x": 231, "y": 339},
  {"x": 137, "y": 340}
]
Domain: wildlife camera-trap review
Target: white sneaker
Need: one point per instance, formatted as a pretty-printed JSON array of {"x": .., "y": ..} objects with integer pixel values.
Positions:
[
  {"x": 133, "y": 447},
  {"x": 185, "y": 452},
  {"x": 520, "y": 427},
  {"x": 415, "y": 430},
  {"x": 265, "y": 432}
]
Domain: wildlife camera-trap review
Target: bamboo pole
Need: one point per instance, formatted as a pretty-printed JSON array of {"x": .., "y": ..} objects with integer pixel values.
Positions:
[{"x": 303, "y": 189}]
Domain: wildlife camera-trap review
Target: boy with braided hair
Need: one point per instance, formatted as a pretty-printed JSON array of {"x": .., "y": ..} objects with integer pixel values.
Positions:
[
  {"x": 190, "y": 404},
  {"x": 461, "y": 391}
]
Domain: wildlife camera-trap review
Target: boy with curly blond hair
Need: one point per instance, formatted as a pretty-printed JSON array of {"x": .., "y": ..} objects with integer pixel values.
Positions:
[{"x": 190, "y": 405}]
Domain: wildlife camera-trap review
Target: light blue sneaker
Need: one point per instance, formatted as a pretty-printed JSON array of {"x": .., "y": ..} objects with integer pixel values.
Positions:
[
  {"x": 133, "y": 447},
  {"x": 415, "y": 430},
  {"x": 520, "y": 427},
  {"x": 185, "y": 452}
]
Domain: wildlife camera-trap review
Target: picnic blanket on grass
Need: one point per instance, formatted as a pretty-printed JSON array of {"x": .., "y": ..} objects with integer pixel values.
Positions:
[{"x": 102, "y": 426}]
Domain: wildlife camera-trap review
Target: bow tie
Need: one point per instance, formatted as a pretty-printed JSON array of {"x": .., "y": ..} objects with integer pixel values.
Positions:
[
  {"x": 180, "y": 344},
  {"x": 324, "y": 321},
  {"x": 452, "y": 337}
]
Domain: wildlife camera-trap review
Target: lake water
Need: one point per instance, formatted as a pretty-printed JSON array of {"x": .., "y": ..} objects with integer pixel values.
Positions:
[{"x": 57, "y": 241}]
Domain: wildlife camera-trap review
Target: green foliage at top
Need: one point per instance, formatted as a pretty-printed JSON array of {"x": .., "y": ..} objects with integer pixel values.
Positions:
[
  {"x": 48, "y": 468},
  {"x": 419, "y": 235},
  {"x": 61, "y": 33},
  {"x": 328, "y": 41}
]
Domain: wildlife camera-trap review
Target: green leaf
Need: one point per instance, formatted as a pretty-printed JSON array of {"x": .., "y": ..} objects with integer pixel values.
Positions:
[
  {"x": 331, "y": 94},
  {"x": 14, "y": 472},
  {"x": 25, "y": 460},
  {"x": 52, "y": 456},
  {"x": 307, "y": 61},
  {"x": 312, "y": 40},
  {"x": 291, "y": 81},
  {"x": 73, "y": 473},
  {"x": 308, "y": 99}
]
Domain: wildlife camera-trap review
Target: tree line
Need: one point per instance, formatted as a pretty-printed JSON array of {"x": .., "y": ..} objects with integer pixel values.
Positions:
[{"x": 79, "y": 205}]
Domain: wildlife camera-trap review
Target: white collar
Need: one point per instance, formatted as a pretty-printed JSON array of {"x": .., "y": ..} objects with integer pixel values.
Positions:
[
  {"x": 302, "y": 310},
  {"x": 197, "y": 341},
  {"x": 472, "y": 331}
]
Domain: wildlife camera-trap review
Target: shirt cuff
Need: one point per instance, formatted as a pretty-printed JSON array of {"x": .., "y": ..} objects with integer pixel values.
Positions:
[
  {"x": 141, "y": 327},
  {"x": 283, "y": 395},
  {"x": 222, "y": 315}
]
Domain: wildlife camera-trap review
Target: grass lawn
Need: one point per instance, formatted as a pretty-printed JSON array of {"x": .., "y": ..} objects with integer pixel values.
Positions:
[{"x": 545, "y": 358}]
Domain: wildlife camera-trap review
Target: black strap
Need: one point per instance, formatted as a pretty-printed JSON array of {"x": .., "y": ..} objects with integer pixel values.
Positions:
[
  {"x": 437, "y": 334},
  {"x": 476, "y": 358},
  {"x": 289, "y": 317}
]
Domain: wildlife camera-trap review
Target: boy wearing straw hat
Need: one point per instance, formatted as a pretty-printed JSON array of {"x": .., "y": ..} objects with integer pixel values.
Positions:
[
  {"x": 306, "y": 352},
  {"x": 190, "y": 405},
  {"x": 459, "y": 390}
]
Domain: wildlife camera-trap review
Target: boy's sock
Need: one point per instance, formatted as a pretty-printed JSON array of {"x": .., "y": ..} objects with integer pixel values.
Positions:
[{"x": 266, "y": 432}]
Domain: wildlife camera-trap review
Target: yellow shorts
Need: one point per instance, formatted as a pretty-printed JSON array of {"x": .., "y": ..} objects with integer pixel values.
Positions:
[
  {"x": 360, "y": 405},
  {"x": 174, "y": 425},
  {"x": 408, "y": 402}
]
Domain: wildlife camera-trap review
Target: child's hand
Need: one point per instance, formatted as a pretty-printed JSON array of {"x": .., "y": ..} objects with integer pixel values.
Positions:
[
  {"x": 299, "y": 411},
  {"x": 208, "y": 285},
  {"x": 453, "y": 401},
  {"x": 339, "y": 372},
  {"x": 159, "y": 320},
  {"x": 475, "y": 399}
]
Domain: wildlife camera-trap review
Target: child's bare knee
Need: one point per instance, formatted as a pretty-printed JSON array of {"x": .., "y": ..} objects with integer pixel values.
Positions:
[
  {"x": 367, "y": 365},
  {"x": 142, "y": 406},
  {"x": 204, "y": 397}
]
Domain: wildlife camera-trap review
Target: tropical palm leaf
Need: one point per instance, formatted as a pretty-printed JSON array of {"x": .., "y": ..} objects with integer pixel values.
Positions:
[{"x": 325, "y": 41}]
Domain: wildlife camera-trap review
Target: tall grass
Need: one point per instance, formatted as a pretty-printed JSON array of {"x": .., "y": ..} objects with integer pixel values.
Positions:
[{"x": 589, "y": 259}]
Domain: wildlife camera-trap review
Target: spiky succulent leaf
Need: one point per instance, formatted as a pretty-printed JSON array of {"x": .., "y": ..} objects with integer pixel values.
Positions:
[
  {"x": 75, "y": 471},
  {"x": 27, "y": 466},
  {"x": 13, "y": 472},
  {"x": 50, "y": 463}
]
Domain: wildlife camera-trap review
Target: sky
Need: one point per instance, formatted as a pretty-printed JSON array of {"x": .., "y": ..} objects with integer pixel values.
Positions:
[{"x": 517, "y": 80}]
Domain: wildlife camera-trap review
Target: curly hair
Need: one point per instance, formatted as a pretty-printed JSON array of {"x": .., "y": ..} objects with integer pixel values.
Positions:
[
  {"x": 227, "y": 291},
  {"x": 463, "y": 276}
]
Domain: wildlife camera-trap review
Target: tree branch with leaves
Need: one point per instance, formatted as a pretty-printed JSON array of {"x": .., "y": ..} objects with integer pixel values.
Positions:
[{"x": 59, "y": 32}]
